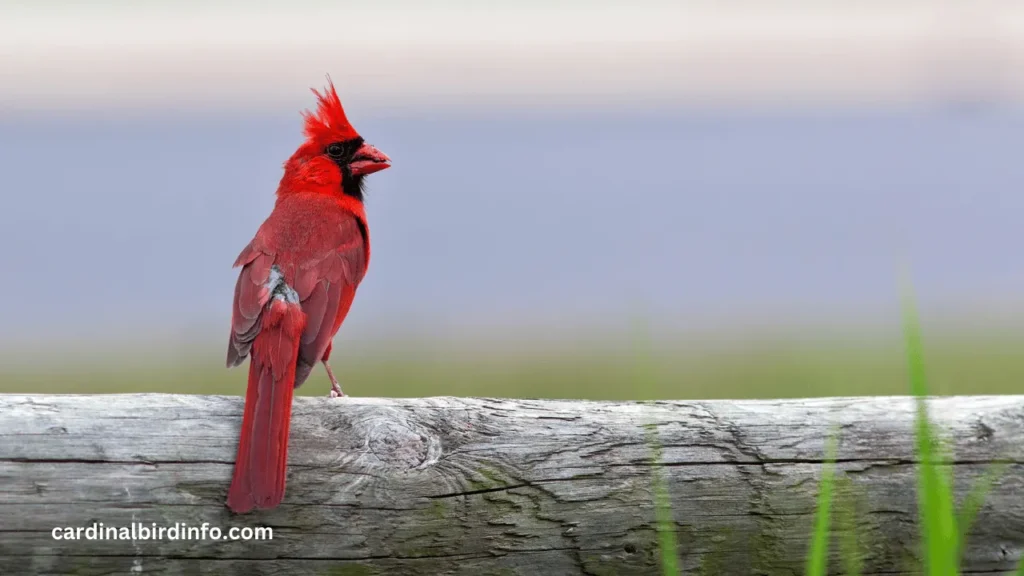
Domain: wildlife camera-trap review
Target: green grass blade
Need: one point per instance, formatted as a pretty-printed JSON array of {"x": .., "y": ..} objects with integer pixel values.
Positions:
[
  {"x": 935, "y": 493},
  {"x": 1020, "y": 568},
  {"x": 664, "y": 524},
  {"x": 645, "y": 384},
  {"x": 817, "y": 554}
]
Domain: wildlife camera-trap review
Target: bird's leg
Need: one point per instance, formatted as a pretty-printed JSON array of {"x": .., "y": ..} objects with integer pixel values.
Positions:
[{"x": 335, "y": 387}]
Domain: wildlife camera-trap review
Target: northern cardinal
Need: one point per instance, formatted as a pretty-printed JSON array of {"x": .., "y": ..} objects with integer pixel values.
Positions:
[{"x": 298, "y": 278}]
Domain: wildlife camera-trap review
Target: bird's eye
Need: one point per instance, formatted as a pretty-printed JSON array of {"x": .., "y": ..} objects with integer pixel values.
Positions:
[{"x": 335, "y": 150}]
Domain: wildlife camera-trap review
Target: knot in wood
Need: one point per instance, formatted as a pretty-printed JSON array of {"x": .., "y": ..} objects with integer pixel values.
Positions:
[{"x": 402, "y": 445}]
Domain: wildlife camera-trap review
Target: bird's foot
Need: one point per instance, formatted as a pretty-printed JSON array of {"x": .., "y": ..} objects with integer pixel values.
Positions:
[{"x": 335, "y": 387}]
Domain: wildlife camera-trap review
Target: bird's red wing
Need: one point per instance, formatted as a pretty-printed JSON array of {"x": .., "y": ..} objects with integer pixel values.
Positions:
[
  {"x": 323, "y": 262},
  {"x": 329, "y": 300},
  {"x": 251, "y": 296}
]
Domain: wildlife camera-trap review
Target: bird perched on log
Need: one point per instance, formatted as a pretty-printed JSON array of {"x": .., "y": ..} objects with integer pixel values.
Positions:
[{"x": 298, "y": 279}]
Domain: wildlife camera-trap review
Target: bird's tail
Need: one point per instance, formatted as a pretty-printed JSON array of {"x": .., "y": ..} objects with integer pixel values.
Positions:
[{"x": 259, "y": 476}]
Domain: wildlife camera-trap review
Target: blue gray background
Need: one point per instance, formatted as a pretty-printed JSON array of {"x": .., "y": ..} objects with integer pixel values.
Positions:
[{"x": 500, "y": 220}]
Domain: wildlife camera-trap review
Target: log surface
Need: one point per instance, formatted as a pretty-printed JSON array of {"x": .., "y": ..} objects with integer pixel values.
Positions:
[{"x": 495, "y": 487}]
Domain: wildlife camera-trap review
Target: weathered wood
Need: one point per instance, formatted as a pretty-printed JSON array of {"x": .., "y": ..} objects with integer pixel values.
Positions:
[{"x": 482, "y": 486}]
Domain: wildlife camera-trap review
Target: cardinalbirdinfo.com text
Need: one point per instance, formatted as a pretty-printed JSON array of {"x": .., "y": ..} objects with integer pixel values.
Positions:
[{"x": 152, "y": 531}]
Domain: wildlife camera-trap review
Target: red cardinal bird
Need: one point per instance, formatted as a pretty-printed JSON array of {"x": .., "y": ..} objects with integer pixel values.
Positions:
[{"x": 298, "y": 278}]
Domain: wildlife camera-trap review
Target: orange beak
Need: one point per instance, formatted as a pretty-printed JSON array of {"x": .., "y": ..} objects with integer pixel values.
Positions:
[{"x": 368, "y": 160}]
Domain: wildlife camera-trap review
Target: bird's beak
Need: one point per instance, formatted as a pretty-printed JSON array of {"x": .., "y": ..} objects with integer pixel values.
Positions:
[{"x": 368, "y": 160}]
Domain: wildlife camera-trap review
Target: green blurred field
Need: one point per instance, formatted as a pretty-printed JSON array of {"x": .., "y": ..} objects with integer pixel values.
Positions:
[{"x": 958, "y": 363}]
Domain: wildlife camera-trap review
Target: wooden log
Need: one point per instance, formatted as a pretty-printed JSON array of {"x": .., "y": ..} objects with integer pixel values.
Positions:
[{"x": 494, "y": 487}]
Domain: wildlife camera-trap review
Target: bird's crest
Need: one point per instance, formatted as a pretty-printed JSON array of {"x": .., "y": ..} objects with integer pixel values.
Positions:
[{"x": 328, "y": 123}]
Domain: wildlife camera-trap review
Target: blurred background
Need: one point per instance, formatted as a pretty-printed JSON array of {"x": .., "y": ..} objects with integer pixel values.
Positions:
[{"x": 609, "y": 200}]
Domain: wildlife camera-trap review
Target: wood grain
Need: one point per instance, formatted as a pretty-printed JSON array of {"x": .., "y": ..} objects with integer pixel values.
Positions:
[{"x": 486, "y": 486}]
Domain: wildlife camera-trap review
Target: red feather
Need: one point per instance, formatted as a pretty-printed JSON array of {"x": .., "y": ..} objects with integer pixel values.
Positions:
[
  {"x": 259, "y": 478},
  {"x": 310, "y": 239},
  {"x": 329, "y": 123},
  {"x": 298, "y": 279}
]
